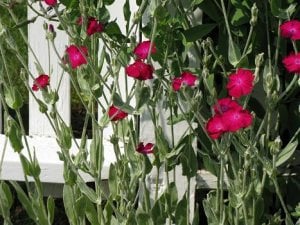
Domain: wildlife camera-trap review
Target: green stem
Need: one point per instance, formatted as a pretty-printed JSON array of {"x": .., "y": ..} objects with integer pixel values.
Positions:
[
  {"x": 277, "y": 47},
  {"x": 232, "y": 163},
  {"x": 253, "y": 211},
  {"x": 288, "y": 88},
  {"x": 153, "y": 33},
  {"x": 244, "y": 208},
  {"x": 3, "y": 154},
  {"x": 236, "y": 216},
  {"x": 221, "y": 64},
  {"x": 145, "y": 190},
  {"x": 24, "y": 37},
  {"x": 278, "y": 192},
  {"x": 156, "y": 182},
  {"x": 188, "y": 201},
  {"x": 227, "y": 23},
  {"x": 221, "y": 187},
  {"x": 248, "y": 41}
]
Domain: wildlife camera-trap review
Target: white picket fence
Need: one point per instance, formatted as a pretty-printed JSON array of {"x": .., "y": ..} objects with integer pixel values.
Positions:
[{"x": 41, "y": 137}]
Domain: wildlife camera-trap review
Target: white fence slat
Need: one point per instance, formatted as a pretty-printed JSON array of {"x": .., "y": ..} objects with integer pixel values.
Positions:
[
  {"x": 147, "y": 135},
  {"x": 38, "y": 123},
  {"x": 46, "y": 149},
  {"x": 116, "y": 14}
]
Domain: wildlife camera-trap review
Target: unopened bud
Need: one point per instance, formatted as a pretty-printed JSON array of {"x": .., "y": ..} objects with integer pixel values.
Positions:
[
  {"x": 136, "y": 17},
  {"x": 51, "y": 28},
  {"x": 259, "y": 59},
  {"x": 2, "y": 30},
  {"x": 42, "y": 106},
  {"x": 254, "y": 12},
  {"x": 275, "y": 146},
  {"x": 23, "y": 75},
  {"x": 51, "y": 34}
]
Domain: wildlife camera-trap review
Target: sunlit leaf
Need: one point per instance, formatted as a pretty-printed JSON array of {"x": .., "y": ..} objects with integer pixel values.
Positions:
[
  {"x": 286, "y": 153},
  {"x": 198, "y": 32}
]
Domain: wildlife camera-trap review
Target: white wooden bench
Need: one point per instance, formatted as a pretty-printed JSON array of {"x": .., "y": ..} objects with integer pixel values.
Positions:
[{"x": 41, "y": 137}]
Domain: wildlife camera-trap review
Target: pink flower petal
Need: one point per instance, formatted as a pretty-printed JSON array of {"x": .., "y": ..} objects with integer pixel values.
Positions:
[
  {"x": 77, "y": 55},
  {"x": 116, "y": 114},
  {"x": 139, "y": 70},
  {"x": 215, "y": 127},
  {"x": 225, "y": 104},
  {"x": 142, "y": 49},
  {"x": 290, "y": 29},
  {"x": 145, "y": 148},
  {"x": 51, "y": 2},
  {"x": 240, "y": 83},
  {"x": 186, "y": 78},
  {"x": 40, "y": 82},
  {"x": 292, "y": 63}
]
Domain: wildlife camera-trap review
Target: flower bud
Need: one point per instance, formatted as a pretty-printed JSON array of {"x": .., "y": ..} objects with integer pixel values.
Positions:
[
  {"x": 114, "y": 139},
  {"x": 23, "y": 75},
  {"x": 269, "y": 81},
  {"x": 259, "y": 59},
  {"x": 53, "y": 115},
  {"x": 254, "y": 12},
  {"x": 42, "y": 106},
  {"x": 136, "y": 17},
  {"x": 51, "y": 34},
  {"x": 274, "y": 98},
  {"x": 275, "y": 146},
  {"x": 247, "y": 162},
  {"x": 2, "y": 30}
]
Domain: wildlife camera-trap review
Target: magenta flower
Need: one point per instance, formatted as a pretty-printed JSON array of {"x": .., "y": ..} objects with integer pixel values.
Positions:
[
  {"x": 139, "y": 70},
  {"x": 93, "y": 26},
  {"x": 215, "y": 127},
  {"x": 236, "y": 119},
  {"x": 225, "y": 104},
  {"x": 115, "y": 113},
  {"x": 240, "y": 83},
  {"x": 186, "y": 78},
  {"x": 142, "y": 49},
  {"x": 145, "y": 148},
  {"x": 229, "y": 117},
  {"x": 176, "y": 83},
  {"x": 40, "y": 82},
  {"x": 51, "y": 2},
  {"x": 292, "y": 63},
  {"x": 77, "y": 55},
  {"x": 290, "y": 29}
]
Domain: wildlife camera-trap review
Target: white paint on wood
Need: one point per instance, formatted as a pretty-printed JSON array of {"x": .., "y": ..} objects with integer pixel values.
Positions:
[
  {"x": 147, "y": 135},
  {"x": 38, "y": 123},
  {"x": 206, "y": 180},
  {"x": 46, "y": 149},
  {"x": 116, "y": 14}
]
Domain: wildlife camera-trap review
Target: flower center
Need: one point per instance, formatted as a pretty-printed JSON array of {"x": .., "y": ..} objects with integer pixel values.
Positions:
[
  {"x": 297, "y": 61},
  {"x": 224, "y": 108},
  {"x": 292, "y": 30}
]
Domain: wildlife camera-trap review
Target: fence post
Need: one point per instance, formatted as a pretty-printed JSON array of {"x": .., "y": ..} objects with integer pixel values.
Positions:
[
  {"x": 147, "y": 135},
  {"x": 50, "y": 62}
]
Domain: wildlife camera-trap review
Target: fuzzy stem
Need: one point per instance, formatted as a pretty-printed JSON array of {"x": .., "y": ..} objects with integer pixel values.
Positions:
[
  {"x": 221, "y": 186},
  {"x": 278, "y": 192}
]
